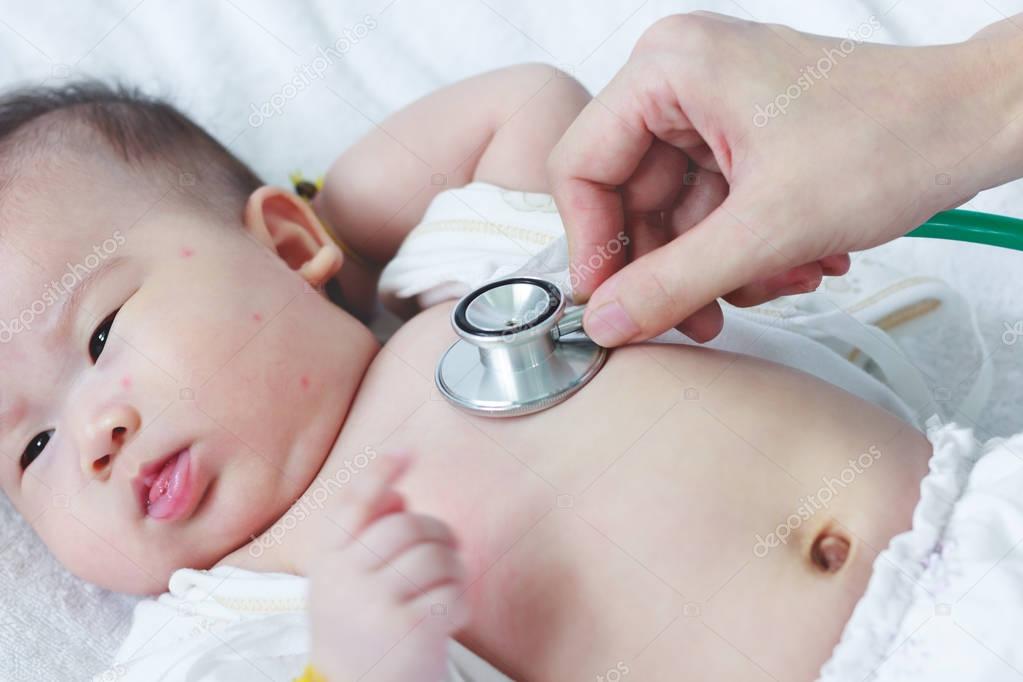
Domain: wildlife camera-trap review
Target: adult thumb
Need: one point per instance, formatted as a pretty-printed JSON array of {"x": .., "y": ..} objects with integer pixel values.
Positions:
[{"x": 666, "y": 286}]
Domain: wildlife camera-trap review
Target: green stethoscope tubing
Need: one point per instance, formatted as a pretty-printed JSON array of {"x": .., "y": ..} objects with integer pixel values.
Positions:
[{"x": 973, "y": 226}]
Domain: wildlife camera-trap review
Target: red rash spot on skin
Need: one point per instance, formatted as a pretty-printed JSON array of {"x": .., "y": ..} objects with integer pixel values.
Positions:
[
  {"x": 304, "y": 381},
  {"x": 257, "y": 317},
  {"x": 186, "y": 252},
  {"x": 126, "y": 382}
]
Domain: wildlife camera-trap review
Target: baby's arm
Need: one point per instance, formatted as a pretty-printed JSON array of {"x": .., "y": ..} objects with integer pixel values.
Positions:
[
  {"x": 497, "y": 127},
  {"x": 384, "y": 600}
]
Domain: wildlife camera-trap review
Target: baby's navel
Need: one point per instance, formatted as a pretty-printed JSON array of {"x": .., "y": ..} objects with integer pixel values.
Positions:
[{"x": 829, "y": 552}]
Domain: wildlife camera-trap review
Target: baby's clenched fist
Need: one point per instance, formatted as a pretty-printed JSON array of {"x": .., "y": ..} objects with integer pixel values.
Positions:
[{"x": 384, "y": 590}]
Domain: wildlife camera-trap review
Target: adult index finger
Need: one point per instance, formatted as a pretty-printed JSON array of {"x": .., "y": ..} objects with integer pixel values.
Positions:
[{"x": 596, "y": 156}]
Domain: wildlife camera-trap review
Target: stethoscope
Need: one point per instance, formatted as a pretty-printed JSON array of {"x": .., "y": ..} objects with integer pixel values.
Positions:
[{"x": 521, "y": 350}]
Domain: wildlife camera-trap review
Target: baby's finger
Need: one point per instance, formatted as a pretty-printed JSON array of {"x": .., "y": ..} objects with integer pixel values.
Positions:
[
  {"x": 381, "y": 475},
  {"x": 423, "y": 568},
  {"x": 445, "y": 607},
  {"x": 371, "y": 495},
  {"x": 391, "y": 535}
]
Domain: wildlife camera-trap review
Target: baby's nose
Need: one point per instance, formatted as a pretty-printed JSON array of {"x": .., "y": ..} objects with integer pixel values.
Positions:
[{"x": 104, "y": 435}]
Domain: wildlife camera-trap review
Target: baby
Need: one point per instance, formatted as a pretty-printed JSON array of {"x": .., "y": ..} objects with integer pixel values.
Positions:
[{"x": 213, "y": 420}]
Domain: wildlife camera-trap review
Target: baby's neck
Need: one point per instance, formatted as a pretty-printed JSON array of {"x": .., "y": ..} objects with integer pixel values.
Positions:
[{"x": 285, "y": 546}]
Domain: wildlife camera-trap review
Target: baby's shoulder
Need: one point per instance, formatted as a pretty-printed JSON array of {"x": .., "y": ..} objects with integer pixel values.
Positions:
[{"x": 420, "y": 340}]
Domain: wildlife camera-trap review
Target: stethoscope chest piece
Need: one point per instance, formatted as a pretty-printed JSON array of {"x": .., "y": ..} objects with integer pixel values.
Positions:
[{"x": 513, "y": 357}]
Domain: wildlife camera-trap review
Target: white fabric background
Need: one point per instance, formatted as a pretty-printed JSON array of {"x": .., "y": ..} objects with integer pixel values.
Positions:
[{"x": 215, "y": 59}]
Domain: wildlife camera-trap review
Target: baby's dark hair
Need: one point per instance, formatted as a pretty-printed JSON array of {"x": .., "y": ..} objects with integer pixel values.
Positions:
[{"x": 144, "y": 131}]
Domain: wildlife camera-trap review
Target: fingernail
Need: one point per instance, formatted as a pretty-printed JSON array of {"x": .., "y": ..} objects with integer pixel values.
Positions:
[{"x": 610, "y": 325}]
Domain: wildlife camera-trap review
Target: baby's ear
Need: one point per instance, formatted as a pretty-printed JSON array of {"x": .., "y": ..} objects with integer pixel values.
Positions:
[{"x": 284, "y": 222}]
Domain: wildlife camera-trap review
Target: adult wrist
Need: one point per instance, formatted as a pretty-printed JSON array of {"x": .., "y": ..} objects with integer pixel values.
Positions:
[
  {"x": 987, "y": 113},
  {"x": 1006, "y": 56}
]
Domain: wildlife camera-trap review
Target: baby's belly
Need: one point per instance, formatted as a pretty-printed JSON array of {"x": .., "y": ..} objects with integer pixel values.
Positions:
[{"x": 658, "y": 524}]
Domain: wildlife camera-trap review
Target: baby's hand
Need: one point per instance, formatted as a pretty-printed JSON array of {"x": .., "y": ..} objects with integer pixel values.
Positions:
[{"x": 384, "y": 599}]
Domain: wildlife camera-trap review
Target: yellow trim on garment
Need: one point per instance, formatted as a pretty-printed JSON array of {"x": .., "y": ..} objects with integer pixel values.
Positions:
[
  {"x": 513, "y": 232},
  {"x": 296, "y": 179},
  {"x": 310, "y": 674}
]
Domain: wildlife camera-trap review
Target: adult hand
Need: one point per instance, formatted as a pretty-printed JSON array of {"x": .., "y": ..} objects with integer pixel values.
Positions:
[{"x": 745, "y": 161}]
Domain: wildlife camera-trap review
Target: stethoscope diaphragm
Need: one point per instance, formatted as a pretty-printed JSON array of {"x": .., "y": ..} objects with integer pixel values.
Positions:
[{"x": 513, "y": 357}]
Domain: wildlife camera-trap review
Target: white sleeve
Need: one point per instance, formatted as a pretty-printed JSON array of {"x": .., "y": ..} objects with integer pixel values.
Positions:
[
  {"x": 468, "y": 236},
  {"x": 466, "y": 666},
  {"x": 234, "y": 625},
  {"x": 168, "y": 645},
  {"x": 223, "y": 625}
]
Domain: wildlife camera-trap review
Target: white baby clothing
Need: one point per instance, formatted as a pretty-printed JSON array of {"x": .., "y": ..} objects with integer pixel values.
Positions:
[{"x": 229, "y": 624}]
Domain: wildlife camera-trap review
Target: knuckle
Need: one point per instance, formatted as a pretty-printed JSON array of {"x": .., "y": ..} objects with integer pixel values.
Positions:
[
  {"x": 442, "y": 595},
  {"x": 430, "y": 531},
  {"x": 357, "y": 557},
  {"x": 415, "y": 525},
  {"x": 655, "y": 299},
  {"x": 453, "y": 554},
  {"x": 664, "y": 298},
  {"x": 412, "y": 616},
  {"x": 433, "y": 553},
  {"x": 438, "y": 527},
  {"x": 459, "y": 571}
]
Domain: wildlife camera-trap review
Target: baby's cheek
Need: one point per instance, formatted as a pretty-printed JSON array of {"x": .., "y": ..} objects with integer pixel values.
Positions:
[
  {"x": 289, "y": 373},
  {"x": 103, "y": 555},
  {"x": 236, "y": 398},
  {"x": 288, "y": 381}
]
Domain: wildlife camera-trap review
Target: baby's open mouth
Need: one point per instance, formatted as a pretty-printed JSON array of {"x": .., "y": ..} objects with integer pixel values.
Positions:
[{"x": 164, "y": 488}]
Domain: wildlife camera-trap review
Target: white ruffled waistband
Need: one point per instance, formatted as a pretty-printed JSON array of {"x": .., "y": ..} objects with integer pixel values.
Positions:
[{"x": 945, "y": 600}]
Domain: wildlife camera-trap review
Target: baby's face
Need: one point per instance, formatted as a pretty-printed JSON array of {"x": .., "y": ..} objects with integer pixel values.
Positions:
[{"x": 190, "y": 336}]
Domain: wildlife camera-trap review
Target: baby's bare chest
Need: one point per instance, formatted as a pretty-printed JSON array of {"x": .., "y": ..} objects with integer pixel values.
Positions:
[
  {"x": 587, "y": 528},
  {"x": 549, "y": 506}
]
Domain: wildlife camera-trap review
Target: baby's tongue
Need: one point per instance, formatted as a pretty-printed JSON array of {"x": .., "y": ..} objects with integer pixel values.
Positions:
[{"x": 163, "y": 481}]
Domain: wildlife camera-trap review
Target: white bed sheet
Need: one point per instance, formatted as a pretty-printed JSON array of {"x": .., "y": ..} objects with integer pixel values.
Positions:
[{"x": 219, "y": 60}]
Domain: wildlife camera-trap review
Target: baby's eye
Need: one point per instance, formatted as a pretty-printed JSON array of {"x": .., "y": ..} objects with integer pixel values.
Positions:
[
  {"x": 99, "y": 337},
  {"x": 35, "y": 448}
]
